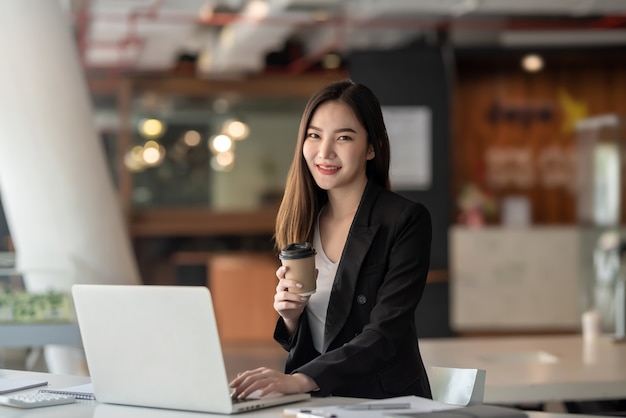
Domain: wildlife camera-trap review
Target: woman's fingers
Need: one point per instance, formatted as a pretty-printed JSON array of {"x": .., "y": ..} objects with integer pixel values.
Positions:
[
  {"x": 283, "y": 283},
  {"x": 240, "y": 384},
  {"x": 265, "y": 381},
  {"x": 289, "y": 305},
  {"x": 286, "y": 284},
  {"x": 251, "y": 381},
  {"x": 292, "y": 300},
  {"x": 281, "y": 272}
]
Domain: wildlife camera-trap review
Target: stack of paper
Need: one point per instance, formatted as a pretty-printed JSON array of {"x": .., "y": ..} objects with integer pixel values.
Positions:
[
  {"x": 405, "y": 407},
  {"x": 372, "y": 409}
]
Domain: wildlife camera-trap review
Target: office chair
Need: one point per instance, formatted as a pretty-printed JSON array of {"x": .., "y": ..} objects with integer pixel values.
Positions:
[{"x": 457, "y": 386}]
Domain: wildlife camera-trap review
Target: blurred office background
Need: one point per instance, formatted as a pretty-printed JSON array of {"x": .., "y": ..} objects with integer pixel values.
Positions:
[{"x": 505, "y": 118}]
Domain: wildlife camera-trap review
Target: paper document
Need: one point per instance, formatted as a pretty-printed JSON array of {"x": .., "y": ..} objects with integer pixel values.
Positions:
[
  {"x": 482, "y": 411},
  {"x": 372, "y": 409}
]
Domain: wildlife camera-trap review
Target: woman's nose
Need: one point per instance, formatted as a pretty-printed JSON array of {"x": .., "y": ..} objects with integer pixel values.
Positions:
[{"x": 326, "y": 149}]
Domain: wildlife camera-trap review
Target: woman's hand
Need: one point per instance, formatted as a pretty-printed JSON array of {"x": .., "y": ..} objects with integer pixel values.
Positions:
[
  {"x": 267, "y": 381},
  {"x": 288, "y": 305}
]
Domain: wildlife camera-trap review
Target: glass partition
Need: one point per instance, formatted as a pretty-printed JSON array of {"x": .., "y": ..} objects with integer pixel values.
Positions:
[
  {"x": 223, "y": 153},
  {"x": 600, "y": 180}
]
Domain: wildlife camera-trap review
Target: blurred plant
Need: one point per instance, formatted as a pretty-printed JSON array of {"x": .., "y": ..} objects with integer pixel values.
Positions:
[
  {"x": 20, "y": 306},
  {"x": 476, "y": 205}
]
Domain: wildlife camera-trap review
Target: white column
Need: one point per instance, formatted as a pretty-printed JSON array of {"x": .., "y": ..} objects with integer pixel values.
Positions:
[{"x": 61, "y": 207}]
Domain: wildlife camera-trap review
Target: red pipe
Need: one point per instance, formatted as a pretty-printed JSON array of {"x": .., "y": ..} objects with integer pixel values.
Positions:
[
  {"x": 301, "y": 64},
  {"x": 84, "y": 19}
]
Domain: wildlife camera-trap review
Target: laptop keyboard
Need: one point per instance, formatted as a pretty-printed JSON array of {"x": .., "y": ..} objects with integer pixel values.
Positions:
[{"x": 253, "y": 396}]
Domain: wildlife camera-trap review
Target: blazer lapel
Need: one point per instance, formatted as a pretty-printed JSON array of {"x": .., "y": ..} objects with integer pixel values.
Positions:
[{"x": 358, "y": 243}]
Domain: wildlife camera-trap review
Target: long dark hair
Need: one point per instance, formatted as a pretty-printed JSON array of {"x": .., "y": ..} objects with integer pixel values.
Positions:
[{"x": 303, "y": 198}]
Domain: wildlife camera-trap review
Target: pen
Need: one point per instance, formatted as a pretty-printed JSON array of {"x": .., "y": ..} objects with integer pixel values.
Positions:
[
  {"x": 306, "y": 413},
  {"x": 377, "y": 406},
  {"x": 315, "y": 414}
]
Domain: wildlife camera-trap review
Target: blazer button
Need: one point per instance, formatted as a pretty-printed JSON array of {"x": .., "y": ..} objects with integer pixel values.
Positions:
[{"x": 361, "y": 299}]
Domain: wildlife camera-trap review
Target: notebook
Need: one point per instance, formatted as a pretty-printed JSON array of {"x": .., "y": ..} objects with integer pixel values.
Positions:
[
  {"x": 157, "y": 346},
  {"x": 83, "y": 392},
  {"x": 8, "y": 385}
]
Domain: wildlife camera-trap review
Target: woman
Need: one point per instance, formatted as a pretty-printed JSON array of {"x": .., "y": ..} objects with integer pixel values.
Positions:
[{"x": 356, "y": 335}]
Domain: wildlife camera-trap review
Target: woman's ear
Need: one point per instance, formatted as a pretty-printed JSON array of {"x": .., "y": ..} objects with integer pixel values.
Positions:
[{"x": 370, "y": 152}]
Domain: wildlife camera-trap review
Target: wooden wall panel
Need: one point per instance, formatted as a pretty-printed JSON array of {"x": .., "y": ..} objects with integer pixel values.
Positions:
[
  {"x": 243, "y": 288},
  {"x": 526, "y": 121}
]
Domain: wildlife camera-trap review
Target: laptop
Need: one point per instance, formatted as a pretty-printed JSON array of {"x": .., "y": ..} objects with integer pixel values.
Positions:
[{"x": 158, "y": 346}]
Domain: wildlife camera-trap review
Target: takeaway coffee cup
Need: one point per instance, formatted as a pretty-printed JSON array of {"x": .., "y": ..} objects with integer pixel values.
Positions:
[{"x": 300, "y": 258}]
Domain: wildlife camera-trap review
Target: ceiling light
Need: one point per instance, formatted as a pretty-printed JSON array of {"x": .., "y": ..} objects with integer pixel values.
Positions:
[
  {"x": 151, "y": 156},
  {"x": 136, "y": 153},
  {"x": 153, "y": 153},
  {"x": 223, "y": 161},
  {"x": 133, "y": 159},
  {"x": 532, "y": 63},
  {"x": 236, "y": 129},
  {"x": 192, "y": 138},
  {"x": 151, "y": 128},
  {"x": 256, "y": 9},
  {"x": 220, "y": 143},
  {"x": 331, "y": 61},
  {"x": 225, "y": 158}
]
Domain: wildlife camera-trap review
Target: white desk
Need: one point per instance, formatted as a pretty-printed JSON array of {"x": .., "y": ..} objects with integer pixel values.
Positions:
[
  {"x": 537, "y": 369},
  {"x": 93, "y": 409}
]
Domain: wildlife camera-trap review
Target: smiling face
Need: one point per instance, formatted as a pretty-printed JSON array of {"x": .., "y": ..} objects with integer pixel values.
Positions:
[{"x": 336, "y": 148}]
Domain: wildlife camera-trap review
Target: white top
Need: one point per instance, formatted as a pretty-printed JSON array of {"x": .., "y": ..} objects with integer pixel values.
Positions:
[{"x": 318, "y": 302}]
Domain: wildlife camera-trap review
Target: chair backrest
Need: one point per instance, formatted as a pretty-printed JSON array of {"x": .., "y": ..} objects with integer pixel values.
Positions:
[{"x": 457, "y": 386}]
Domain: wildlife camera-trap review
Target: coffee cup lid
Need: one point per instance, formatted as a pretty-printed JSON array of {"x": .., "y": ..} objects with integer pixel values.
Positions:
[{"x": 297, "y": 250}]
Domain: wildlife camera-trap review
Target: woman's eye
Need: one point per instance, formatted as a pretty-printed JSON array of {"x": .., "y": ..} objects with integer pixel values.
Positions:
[
  {"x": 344, "y": 138},
  {"x": 312, "y": 135}
]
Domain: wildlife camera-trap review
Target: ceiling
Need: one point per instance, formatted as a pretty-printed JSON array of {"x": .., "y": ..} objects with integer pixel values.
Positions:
[{"x": 231, "y": 38}]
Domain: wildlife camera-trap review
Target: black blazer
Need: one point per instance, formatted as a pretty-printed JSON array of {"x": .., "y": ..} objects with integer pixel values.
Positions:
[{"x": 370, "y": 340}]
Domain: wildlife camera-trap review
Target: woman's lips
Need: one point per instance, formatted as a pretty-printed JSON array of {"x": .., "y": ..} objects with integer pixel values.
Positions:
[{"x": 327, "y": 169}]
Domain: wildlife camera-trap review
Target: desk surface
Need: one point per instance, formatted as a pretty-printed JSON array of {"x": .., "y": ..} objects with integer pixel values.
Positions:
[
  {"x": 537, "y": 369},
  {"x": 93, "y": 409}
]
